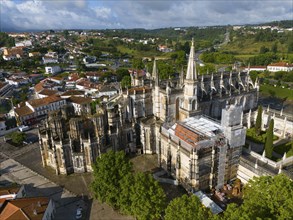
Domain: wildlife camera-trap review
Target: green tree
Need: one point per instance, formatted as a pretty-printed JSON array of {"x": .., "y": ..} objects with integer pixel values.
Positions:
[
  {"x": 137, "y": 64},
  {"x": 10, "y": 123},
  {"x": 17, "y": 137},
  {"x": 186, "y": 208},
  {"x": 65, "y": 34},
  {"x": 274, "y": 48},
  {"x": 5, "y": 40},
  {"x": 126, "y": 82},
  {"x": 258, "y": 120},
  {"x": 121, "y": 72},
  {"x": 109, "y": 170},
  {"x": 147, "y": 198},
  {"x": 269, "y": 140},
  {"x": 264, "y": 197},
  {"x": 253, "y": 75},
  {"x": 165, "y": 69},
  {"x": 94, "y": 106},
  {"x": 263, "y": 50}
]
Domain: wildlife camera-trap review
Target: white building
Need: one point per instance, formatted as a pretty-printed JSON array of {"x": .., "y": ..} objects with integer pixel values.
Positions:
[
  {"x": 107, "y": 91},
  {"x": 81, "y": 105},
  {"x": 52, "y": 69},
  {"x": 49, "y": 60},
  {"x": 25, "y": 43},
  {"x": 255, "y": 68},
  {"x": 282, "y": 66},
  {"x": 36, "y": 109}
]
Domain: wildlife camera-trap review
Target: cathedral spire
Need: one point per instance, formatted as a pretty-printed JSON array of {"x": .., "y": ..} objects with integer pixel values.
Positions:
[
  {"x": 155, "y": 73},
  {"x": 191, "y": 68}
]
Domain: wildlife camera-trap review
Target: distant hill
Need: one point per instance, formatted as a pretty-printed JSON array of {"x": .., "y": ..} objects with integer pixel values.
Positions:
[{"x": 281, "y": 24}]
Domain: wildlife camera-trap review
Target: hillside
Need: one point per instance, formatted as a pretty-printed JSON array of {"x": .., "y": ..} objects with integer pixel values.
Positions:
[{"x": 248, "y": 42}]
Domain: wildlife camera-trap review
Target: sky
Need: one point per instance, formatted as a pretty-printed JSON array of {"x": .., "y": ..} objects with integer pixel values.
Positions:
[{"x": 150, "y": 14}]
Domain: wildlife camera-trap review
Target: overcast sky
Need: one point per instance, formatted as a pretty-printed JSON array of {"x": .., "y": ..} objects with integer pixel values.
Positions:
[{"x": 85, "y": 14}]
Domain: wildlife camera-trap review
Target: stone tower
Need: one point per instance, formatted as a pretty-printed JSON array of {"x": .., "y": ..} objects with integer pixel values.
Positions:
[{"x": 190, "y": 104}]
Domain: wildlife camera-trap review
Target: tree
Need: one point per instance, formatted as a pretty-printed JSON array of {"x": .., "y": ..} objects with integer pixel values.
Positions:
[
  {"x": 264, "y": 197},
  {"x": 17, "y": 137},
  {"x": 109, "y": 170},
  {"x": 274, "y": 48},
  {"x": 65, "y": 34},
  {"x": 10, "y": 123},
  {"x": 269, "y": 140},
  {"x": 137, "y": 64},
  {"x": 121, "y": 72},
  {"x": 263, "y": 50},
  {"x": 147, "y": 198},
  {"x": 258, "y": 120},
  {"x": 186, "y": 208},
  {"x": 126, "y": 82}
]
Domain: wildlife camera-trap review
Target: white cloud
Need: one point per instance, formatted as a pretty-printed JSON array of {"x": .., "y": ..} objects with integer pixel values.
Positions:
[{"x": 57, "y": 14}]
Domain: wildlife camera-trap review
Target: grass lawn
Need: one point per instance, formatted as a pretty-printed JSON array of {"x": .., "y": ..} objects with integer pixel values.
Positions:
[
  {"x": 251, "y": 135},
  {"x": 278, "y": 92},
  {"x": 288, "y": 148}
]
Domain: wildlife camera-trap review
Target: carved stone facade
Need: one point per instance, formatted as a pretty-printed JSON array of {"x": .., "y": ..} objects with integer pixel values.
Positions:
[{"x": 70, "y": 143}]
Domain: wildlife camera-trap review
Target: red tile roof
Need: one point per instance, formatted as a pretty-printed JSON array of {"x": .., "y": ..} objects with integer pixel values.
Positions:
[
  {"x": 23, "y": 111},
  {"x": 9, "y": 190},
  {"x": 186, "y": 134},
  {"x": 282, "y": 64},
  {"x": 39, "y": 87},
  {"x": 48, "y": 92},
  {"x": 23, "y": 209},
  {"x": 73, "y": 92},
  {"x": 80, "y": 100},
  {"x": 44, "y": 101}
]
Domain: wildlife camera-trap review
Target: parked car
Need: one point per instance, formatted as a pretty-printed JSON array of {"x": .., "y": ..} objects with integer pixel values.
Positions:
[
  {"x": 78, "y": 213},
  {"x": 23, "y": 128}
]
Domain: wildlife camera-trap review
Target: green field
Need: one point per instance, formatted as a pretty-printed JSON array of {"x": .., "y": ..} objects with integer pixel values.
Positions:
[{"x": 278, "y": 92}]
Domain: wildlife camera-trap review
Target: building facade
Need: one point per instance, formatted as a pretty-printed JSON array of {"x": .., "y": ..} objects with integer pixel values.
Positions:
[
  {"x": 201, "y": 153},
  {"x": 70, "y": 143}
]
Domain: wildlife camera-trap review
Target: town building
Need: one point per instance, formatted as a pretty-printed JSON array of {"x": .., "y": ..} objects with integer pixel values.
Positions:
[
  {"x": 256, "y": 68},
  {"x": 28, "y": 208},
  {"x": 52, "y": 69},
  {"x": 12, "y": 192},
  {"x": 281, "y": 66},
  {"x": 35, "y": 110},
  {"x": 5, "y": 89},
  {"x": 13, "y": 53}
]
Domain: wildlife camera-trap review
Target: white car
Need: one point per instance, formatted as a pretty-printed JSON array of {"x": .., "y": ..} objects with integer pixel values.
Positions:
[{"x": 78, "y": 213}]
